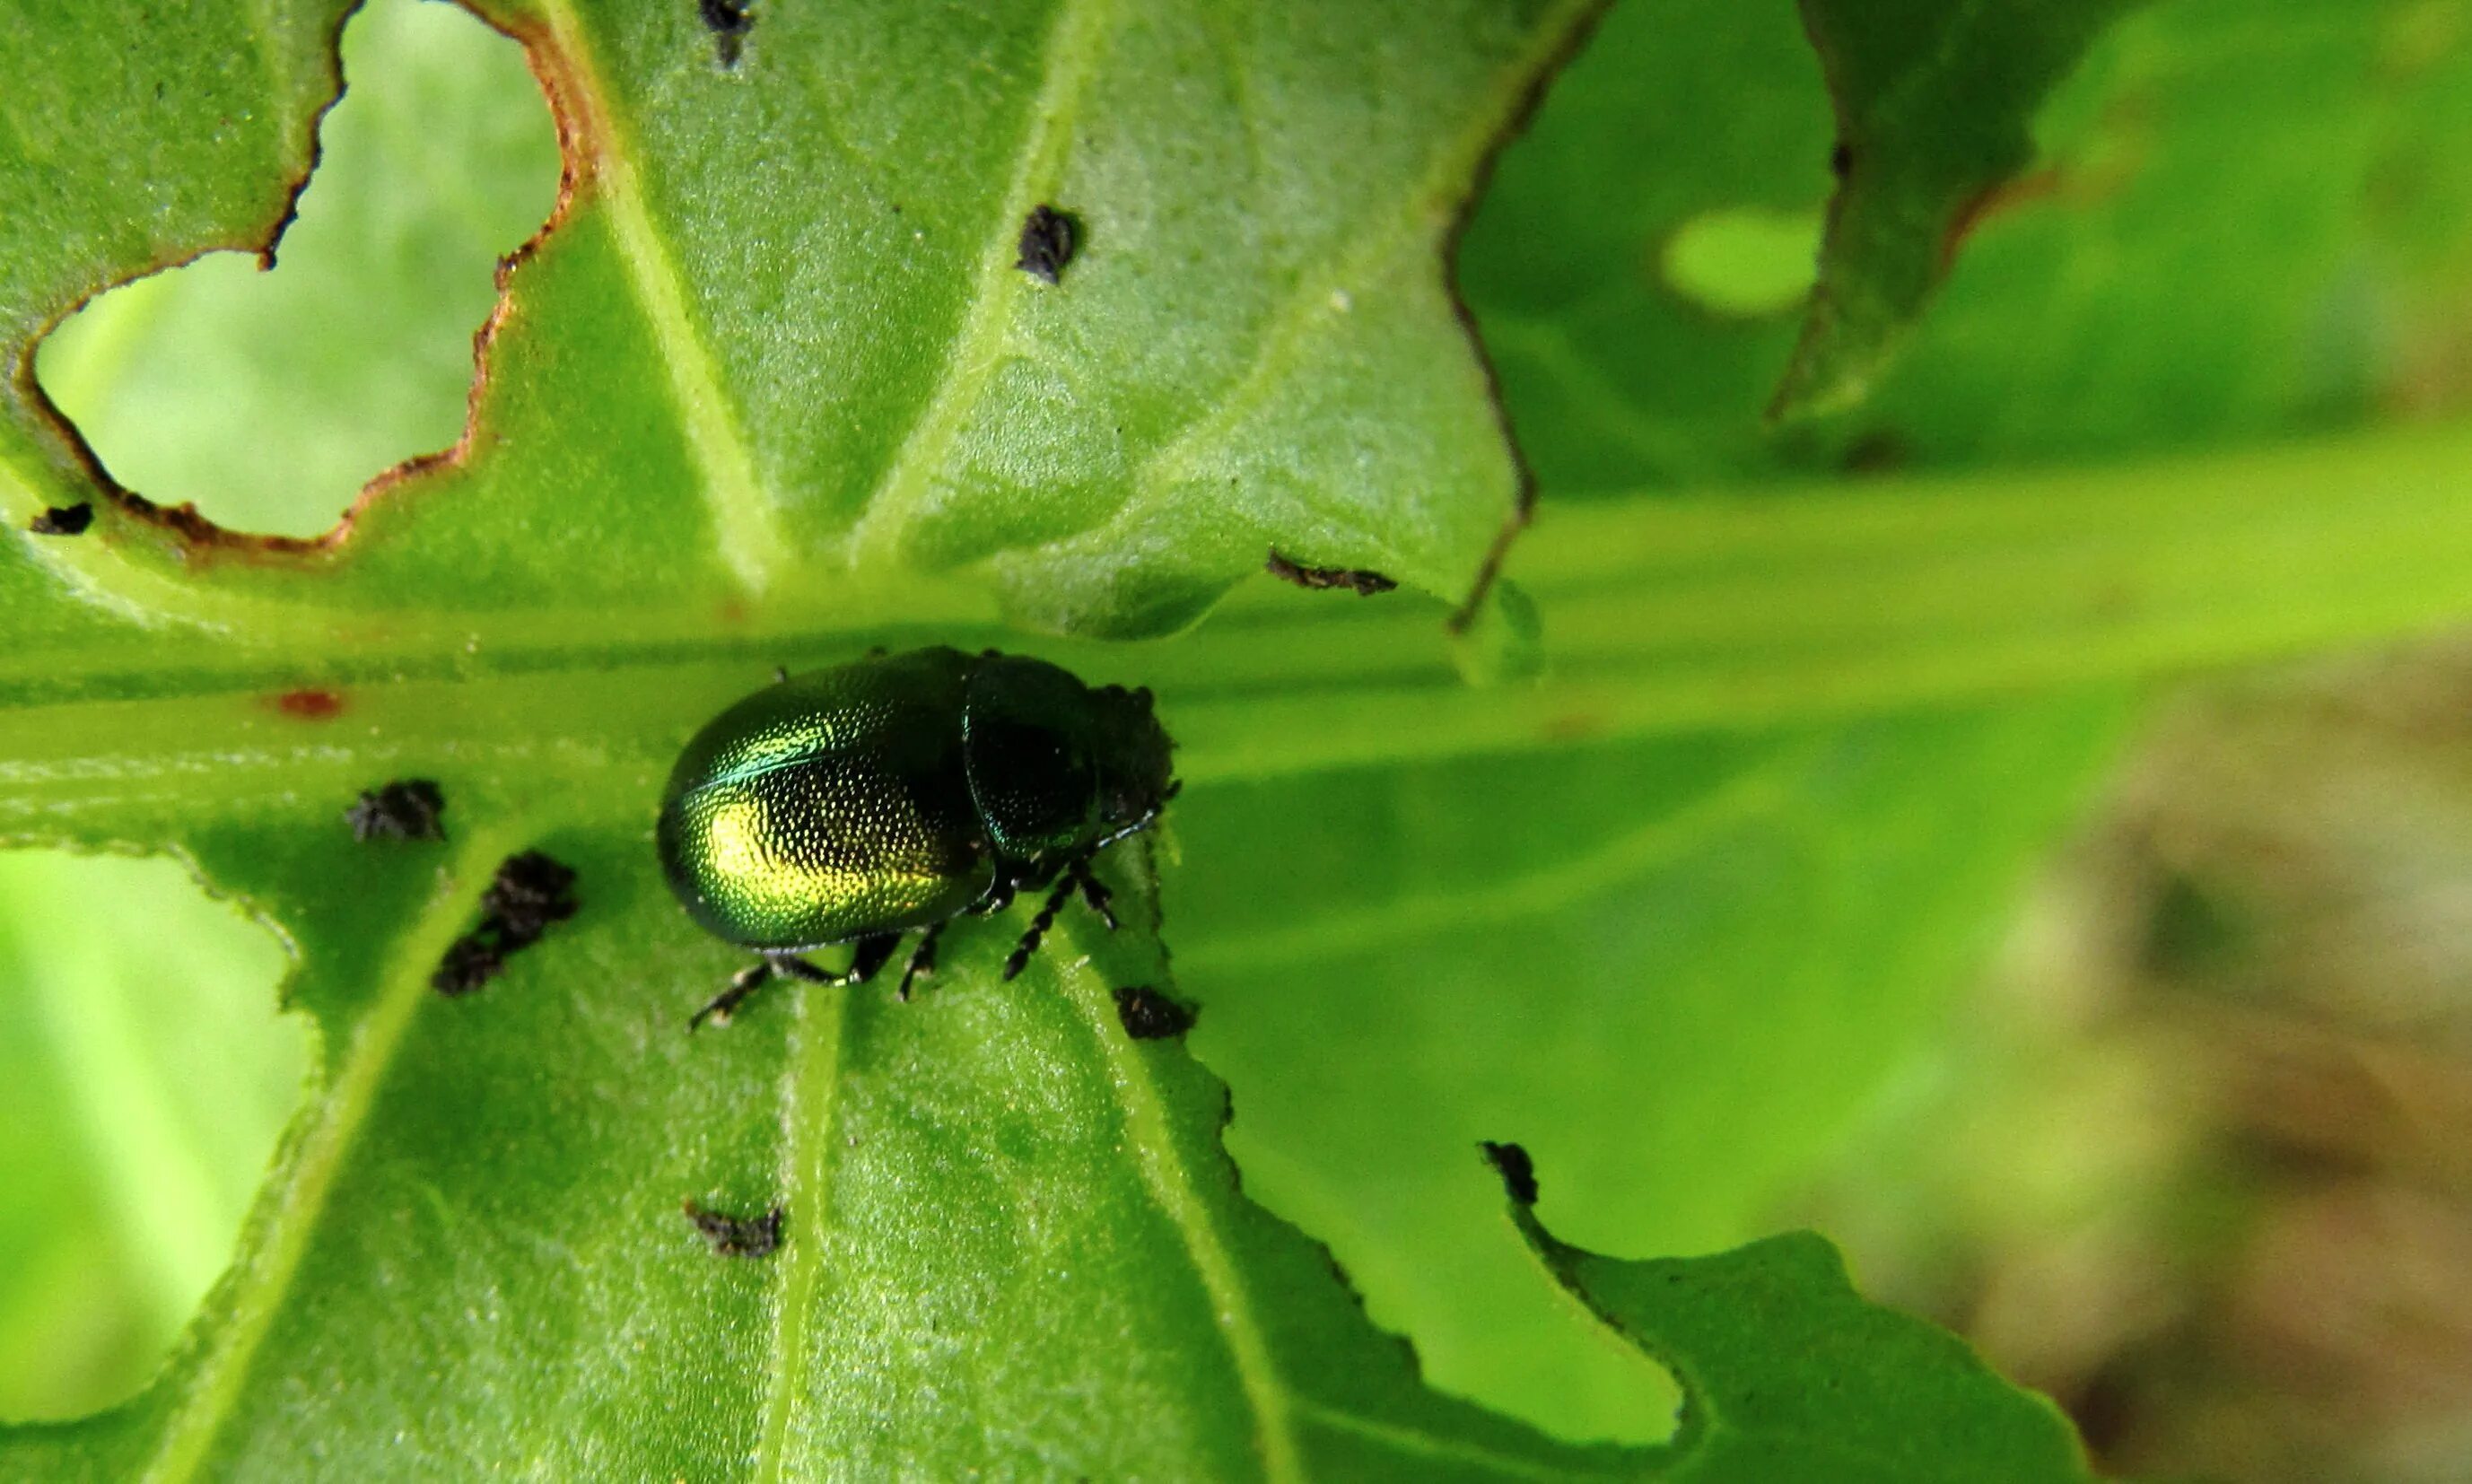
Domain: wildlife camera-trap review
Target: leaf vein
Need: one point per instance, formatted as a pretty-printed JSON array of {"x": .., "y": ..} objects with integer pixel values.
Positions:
[
  {"x": 1764, "y": 786},
  {"x": 1172, "y": 1187},
  {"x": 977, "y": 347},
  {"x": 810, "y": 1089},
  {"x": 299, "y": 1199},
  {"x": 1424, "y": 211},
  {"x": 741, "y": 508}
]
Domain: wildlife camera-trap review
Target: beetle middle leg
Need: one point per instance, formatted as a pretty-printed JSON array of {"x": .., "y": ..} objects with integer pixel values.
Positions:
[
  {"x": 869, "y": 959},
  {"x": 922, "y": 959}
]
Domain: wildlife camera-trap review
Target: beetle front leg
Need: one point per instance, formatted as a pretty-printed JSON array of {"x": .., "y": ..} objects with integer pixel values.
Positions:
[
  {"x": 1094, "y": 891},
  {"x": 1019, "y": 957}
]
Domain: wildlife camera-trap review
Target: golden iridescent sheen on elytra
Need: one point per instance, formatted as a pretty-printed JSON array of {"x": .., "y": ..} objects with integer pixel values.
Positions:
[{"x": 898, "y": 791}]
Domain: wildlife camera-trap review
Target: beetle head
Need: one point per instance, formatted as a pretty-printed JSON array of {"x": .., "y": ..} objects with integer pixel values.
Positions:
[{"x": 1135, "y": 775}]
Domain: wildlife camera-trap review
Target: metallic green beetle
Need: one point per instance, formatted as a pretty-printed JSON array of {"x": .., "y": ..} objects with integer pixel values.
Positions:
[{"x": 857, "y": 804}]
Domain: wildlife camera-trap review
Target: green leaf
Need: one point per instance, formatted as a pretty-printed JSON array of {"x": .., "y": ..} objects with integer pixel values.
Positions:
[
  {"x": 740, "y": 413},
  {"x": 1256, "y": 342},
  {"x": 1934, "y": 104},
  {"x": 2153, "y": 302},
  {"x": 1737, "y": 957},
  {"x": 1789, "y": 1376},
  {"x": 198, "y": 385},
  {"x": 1012, "y": 1243},
  {"x": 1616, "y": 380}
]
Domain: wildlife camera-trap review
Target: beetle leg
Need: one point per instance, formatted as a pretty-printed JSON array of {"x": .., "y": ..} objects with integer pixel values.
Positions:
[
  {"x": 1038, "y": 926},
  {"x": 873, "y": 953},
  {"x": 1095, "y": 892},
  {"x": 745, "y": 982},
  {"x": 922, "y": 958}
]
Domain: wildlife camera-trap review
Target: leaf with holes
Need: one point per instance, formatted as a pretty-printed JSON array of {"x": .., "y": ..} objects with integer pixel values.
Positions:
[
  {"x": 1252, "y": 340},
  {"x": 776, "y": 384},
  {"x": 1933, "y": 106}
]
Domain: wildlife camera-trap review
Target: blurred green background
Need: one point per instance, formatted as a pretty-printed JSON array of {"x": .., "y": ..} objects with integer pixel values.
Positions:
[
  {"x": 2192, "y": 1159},
  {"x": 144, "y": 1078}
]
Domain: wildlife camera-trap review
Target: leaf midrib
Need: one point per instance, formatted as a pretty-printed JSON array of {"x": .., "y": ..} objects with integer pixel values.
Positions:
[{"x": 1799, "y": 604}]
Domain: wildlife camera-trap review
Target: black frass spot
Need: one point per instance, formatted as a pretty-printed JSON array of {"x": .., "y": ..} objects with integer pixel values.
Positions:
[
  {"x": 1879, "y": 451},
  {"x": 63, "y": 520},
  {"x": 1517, "y": 1171},
  {"x": 1048, "y": 238},
  {"x": 1356, "y": 580},
  {"x": 470, "y": 962},
  {"x": 729, "y": 21},
  {"x": 529, "y": 892},
  {"x": 408, "y": 809},
  {"x": 737, "y": 1236},
  {"x": 1151, "y": 1016}
]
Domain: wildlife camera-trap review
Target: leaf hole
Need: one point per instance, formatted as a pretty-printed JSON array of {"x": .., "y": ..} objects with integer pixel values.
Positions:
[
  {"x": 269, "y": 399},
  {"x": 145, "y": 1079},
  {"x": 1744, "y": 262}
]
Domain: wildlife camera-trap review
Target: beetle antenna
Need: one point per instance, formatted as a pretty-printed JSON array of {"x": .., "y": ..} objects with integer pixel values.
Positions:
[{"x": 1128, "y": 832}]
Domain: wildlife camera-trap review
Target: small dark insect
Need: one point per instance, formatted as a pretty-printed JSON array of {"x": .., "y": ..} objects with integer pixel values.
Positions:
[
  {"x": 896, "y": 793},
  {"x": 1048, "y": 238},
  {"x": 1151, "y": 1016},
  {"x": 1517, "y": 1170},
  {"x": 1841, "y": 159},
  {"x": 404, "y": 809},
  {"x": 529, "y": 892},
  {"x": 729, "y": 21},
  {"x": 63, "y": 520},
  {"x": 1364, "y": 583},
  {"x": 737, "y": 1236}
]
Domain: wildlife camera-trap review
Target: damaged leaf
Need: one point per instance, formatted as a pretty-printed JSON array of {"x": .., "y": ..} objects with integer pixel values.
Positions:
[
  {"x": 772, "y": 392},
  {"x": 1934, "y": 105}
]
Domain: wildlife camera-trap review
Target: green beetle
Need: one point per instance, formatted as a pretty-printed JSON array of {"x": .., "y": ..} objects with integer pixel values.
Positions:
[{"x": 859, "y": 803}]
